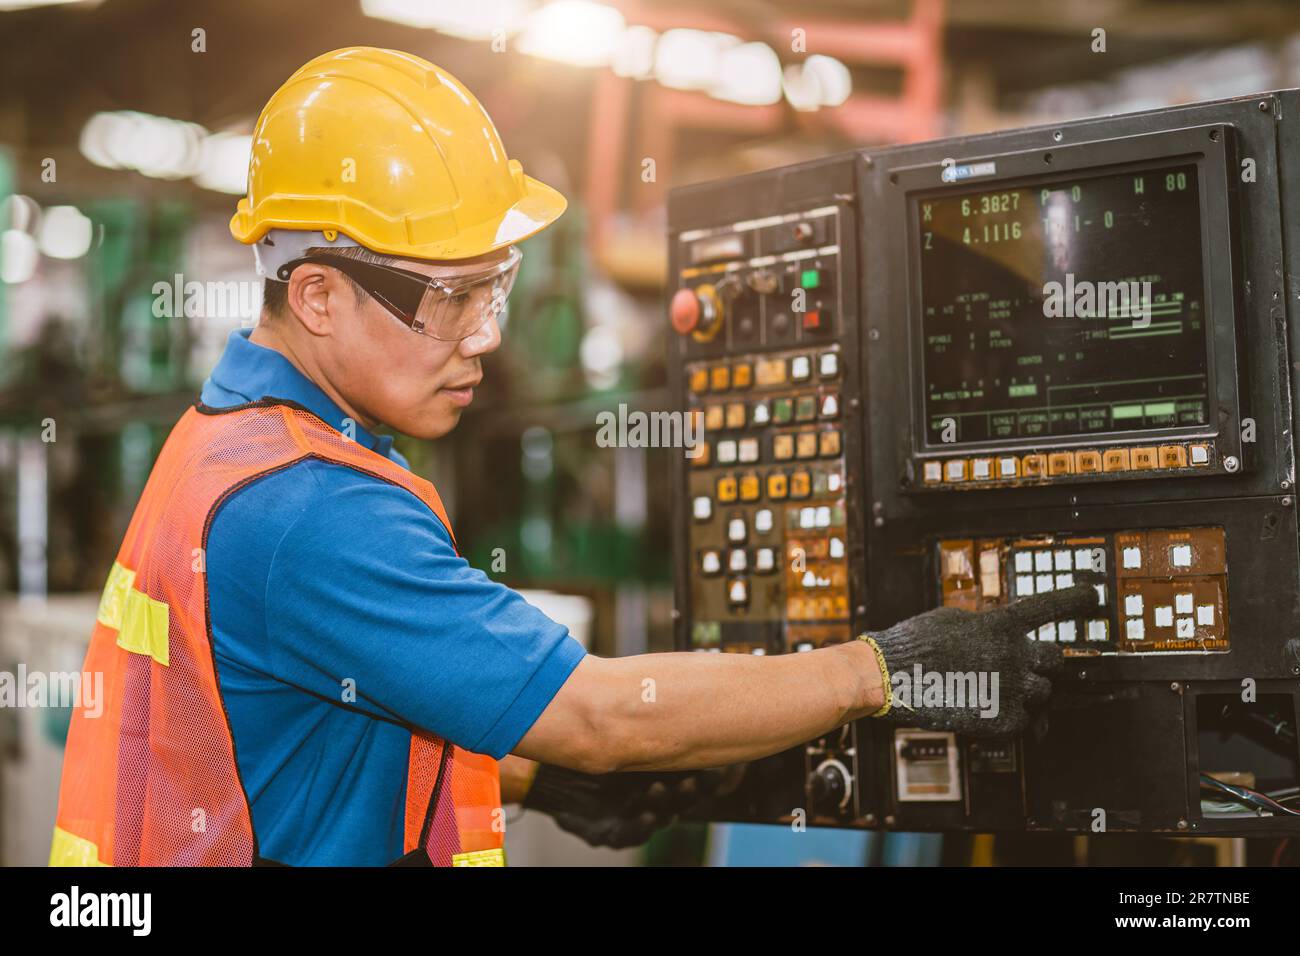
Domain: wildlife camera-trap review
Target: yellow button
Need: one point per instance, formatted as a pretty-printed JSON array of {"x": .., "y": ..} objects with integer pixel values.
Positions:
[
  {"x": 713, "y": 418},
  {"x": 727, "y": 488},
  {"x": 770, "y": 372},
  {"x": 720, "y": 378},
  {"x": 806, "y": 445},
  {"x": 828, "y": 444},
  {"x": 1142, "y": 458},
  {"x": 1087, "y": 462},
  {"x": 777, "y": 486},
  {"x": 1033, "y": 466},
  {"x": 736, "y": 415},
  {"x": 749, "y": 487},
  {"x": 699, "y": 380},
  {"x": 800, "y": 484},
  {"x": 783, "y": 447},
  {"x": 1115, "y": 459},
  {"x": 1060, "y": 463},
  {"x": 1173, "y": 456},
  {"x": 742, "y": 375}
]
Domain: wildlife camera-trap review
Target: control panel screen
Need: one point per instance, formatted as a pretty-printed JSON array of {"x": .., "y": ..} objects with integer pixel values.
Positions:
[{"x": 1071, "y": 307}]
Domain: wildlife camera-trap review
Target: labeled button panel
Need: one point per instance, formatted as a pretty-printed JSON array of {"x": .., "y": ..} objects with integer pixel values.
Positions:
[{"x": 1159, "y": 591}]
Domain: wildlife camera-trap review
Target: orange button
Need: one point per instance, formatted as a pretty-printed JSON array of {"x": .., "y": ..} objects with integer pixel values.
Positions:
[
  {"x": 749, "y": 487},
  {"x": 1173, "y": 456},
  {"x": 713, "y": 418},
  {"x": 727, "y": 488},
  {"x": 720, "y": 378},
  {"x": 742, "y": 375},
  {"x": 800, "y": 484},
  {"x": 806, "y": 445},
  {"x": 1087, "y": 462},
  {"x": 1060, "y": 463},
  {"x": 1033, "y": 466},
  {"x": 699, "y": 380},
  {"x": 1115, "y": 459},
  {"x": 777, "y": 486},
  {"x": 829, "y": 443},
  {"x": 701, "y": 458},
  {"x": 783, "y": 447},
  {"x": 1143, "y": 458},
  {"x": 770, "y": 372},
  {"x": 736, "y": 415}
]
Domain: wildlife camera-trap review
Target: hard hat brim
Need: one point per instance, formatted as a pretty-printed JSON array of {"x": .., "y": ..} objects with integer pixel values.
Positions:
[{"x": 534, "y": 211}]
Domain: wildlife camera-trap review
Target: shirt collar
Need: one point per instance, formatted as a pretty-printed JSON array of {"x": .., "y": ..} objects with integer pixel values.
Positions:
[{"x": 254, "y": 372}]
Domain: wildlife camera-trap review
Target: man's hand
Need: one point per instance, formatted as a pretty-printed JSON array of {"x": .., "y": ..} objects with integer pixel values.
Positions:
[
  {"x": 992, "y": 646},
  {"x": 622, "y": 809}
]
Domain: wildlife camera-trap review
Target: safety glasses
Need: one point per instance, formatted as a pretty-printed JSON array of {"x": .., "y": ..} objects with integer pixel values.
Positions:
[{"x": 448, "y": 309}]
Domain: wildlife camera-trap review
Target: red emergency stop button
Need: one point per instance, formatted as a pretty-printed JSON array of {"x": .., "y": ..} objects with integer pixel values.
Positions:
[{"x": 684, "y": 311}]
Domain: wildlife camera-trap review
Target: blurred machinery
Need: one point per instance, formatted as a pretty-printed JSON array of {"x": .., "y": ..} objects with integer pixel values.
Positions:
[{"x": 965, "y": 371}]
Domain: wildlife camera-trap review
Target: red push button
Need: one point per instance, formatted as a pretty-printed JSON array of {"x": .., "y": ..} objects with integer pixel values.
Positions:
[{"x": 684, "y": 311}]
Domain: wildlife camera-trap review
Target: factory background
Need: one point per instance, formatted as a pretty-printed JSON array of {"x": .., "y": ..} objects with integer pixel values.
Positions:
[{"x": 124, "y": 134}]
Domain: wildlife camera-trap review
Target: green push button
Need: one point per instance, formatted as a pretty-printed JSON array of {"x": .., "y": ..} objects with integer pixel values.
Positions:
[
  {"x": 810, "y": 278},
  {"x": 782, "y": 410}
]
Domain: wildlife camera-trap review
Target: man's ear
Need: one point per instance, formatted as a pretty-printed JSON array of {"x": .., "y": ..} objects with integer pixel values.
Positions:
[{"x": 314, "y": 296}]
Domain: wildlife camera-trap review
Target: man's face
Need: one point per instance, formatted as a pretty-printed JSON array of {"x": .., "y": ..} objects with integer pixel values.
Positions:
[{"x": 411, "y": 382}]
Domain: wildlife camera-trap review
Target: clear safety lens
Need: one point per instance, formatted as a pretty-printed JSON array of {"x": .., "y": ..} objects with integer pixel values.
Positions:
[{"x": 454, "y": 310}]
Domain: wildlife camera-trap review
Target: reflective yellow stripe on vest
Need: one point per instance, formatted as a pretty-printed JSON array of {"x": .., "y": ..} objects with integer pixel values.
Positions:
[
  {"x": 70, "y": 850},
  {"x": 495, "y": 857}
]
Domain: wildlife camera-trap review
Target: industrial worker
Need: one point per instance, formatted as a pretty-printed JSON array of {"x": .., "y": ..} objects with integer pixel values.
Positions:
[{"x": 299, "y": 666}]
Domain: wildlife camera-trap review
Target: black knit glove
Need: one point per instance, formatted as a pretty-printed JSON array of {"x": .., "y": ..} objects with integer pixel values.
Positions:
[
  {"x": 622, "y": 809},
  {"x": 979, "y": 673}
]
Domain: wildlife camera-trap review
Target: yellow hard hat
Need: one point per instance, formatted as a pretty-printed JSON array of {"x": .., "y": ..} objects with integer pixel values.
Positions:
[{"x": 394, "y": 153}]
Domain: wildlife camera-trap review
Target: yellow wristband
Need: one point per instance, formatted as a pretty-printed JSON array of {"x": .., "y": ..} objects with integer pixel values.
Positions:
[{"x": 885, "y": 684}]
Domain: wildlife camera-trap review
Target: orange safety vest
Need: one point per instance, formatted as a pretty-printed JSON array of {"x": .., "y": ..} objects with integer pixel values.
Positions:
[{"x": 152, "y": 780}]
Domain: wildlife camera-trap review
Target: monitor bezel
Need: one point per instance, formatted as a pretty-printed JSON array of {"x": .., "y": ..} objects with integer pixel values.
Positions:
[{"x": 1205, "y": 147}]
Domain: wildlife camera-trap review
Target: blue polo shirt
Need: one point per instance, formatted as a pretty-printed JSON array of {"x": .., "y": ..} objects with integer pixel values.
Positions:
[{"x": 342, "y": 617}]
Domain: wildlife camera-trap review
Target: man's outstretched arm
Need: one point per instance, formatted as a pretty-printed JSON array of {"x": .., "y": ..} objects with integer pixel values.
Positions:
[{"x": 685, "y": 711}]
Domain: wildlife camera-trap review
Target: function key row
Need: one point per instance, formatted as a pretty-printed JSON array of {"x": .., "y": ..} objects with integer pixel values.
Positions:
[
  {"x": 764, "y": 372},
  {"x": 1056, "y": 464}
]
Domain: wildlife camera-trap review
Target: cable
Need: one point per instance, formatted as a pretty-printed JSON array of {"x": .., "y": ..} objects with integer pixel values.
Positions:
[{"x": 1250, "y": 797}]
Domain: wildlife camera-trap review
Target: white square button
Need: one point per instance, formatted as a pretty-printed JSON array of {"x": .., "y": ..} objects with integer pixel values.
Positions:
[
  {"x": 1164, "y": 616},
  {"x": 1134, "y": 629},
  {"x": 1133, "y": 605},
  {"x": 1065, "y": 631},
  {"x": 1205, "y": 615},
  {"x": 1183, "y": 603}
]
